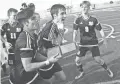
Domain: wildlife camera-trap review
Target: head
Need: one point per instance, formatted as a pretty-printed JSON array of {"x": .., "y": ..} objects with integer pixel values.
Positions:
[
  {"x": 12, "y": 14},
  {"x": 30, "y": 24},
  {"x": 24, "y": 5},
  {"x": 36, "y": 18},
  {"x": 31, "y": 6},
  {"x": 85, "y": 6},
  {"x": 58, "y": 12}
]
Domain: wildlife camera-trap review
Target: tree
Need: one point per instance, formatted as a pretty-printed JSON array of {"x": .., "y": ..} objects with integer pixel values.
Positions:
[{"x": 111, "y": 2}]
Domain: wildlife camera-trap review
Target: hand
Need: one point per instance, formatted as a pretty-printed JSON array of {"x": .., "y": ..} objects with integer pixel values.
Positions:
[
  {"x": 8, "y": 45},
  {"x": 53, "y": 59},
  {"x": 64, "y": 41},
  {"x": 76, "y": 43},
  {"x": 105, "y": 42}
]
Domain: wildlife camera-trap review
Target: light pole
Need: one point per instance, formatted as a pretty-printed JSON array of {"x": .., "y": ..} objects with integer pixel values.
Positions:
[{"x": 71, "y": 6}]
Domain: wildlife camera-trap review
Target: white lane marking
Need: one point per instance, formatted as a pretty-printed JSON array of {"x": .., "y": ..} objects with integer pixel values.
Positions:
[
  {"x": 114, "y": 36},
  {"x": 112, "y": 30},
  {"x": 110, "y": 82},
  {"x": 110, "y": 19},
  {"x": 116, "y": 33}
]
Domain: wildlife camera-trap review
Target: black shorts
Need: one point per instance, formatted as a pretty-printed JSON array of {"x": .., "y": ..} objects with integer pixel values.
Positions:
[
  {"x": 56, "y": 68},
  {"x": 24, "y": 78},
  {"x": 95, "y": 51},
  {"x": 48, "y": 74}
]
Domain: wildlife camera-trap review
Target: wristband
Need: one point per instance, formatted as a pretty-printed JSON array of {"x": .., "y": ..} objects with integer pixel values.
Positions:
[{"x": 47, "y": 62}]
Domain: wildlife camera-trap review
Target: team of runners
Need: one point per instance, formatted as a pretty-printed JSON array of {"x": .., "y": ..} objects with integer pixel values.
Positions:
[{"x": 27, "y": 43}]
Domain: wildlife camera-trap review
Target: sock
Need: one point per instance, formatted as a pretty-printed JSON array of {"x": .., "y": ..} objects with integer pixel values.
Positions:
[
  {"x": 104, "y": 66},
  {"x": 80, "y": 67},
  {"x": 4, "y": 68}
]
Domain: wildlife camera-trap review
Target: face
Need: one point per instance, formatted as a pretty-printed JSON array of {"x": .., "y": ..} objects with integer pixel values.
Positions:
[
  {"x": 85, "y": 8},
  {"x": 33, "y": 24},
  {"x": 61, "y": 15},
  {"x": 12, "y": 16}
]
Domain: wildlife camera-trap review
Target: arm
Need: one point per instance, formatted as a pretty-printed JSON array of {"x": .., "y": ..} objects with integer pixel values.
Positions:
[
  {"x": 104, "y": 38},
  {"x": 99, "y": 28},
  {"x": 29, "y": 66},
  {"x": 3, "y": 31},
  {"x": 32, "y": 66},
  {"x": 75, "y": 28},
  {"x": 2, "y": 34},
  {"x": 74, "y": 35},
  {"x": 102, "y": 33},
  {"x": 27, "y": 57}
]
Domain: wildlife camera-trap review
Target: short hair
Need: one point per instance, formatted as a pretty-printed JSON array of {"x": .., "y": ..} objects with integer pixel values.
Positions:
[
  {"x": 24, "y": 15},
  {"x": 24, "y": 4},
  {"x": 11, "y": 10},
  {"x": 31, "y": 5},
  {"x": 55, "y": 9},
  {"x": 86, "y": 3}
]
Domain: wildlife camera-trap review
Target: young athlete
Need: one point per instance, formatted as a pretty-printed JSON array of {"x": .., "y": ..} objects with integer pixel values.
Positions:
[
  {"x": 47, "y": 40},
  {"x": 87, "y": 25},
  {"x": 25, "y": 52},
  {"x": 11, "y": 29}
]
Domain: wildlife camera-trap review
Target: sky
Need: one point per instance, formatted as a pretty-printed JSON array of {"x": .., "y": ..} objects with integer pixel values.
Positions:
[{"x": 41, "y": 5}]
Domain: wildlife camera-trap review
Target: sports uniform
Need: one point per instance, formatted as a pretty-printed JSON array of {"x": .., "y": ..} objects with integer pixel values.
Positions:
[
  {"x": 12, "y": 34},
  {"x": 49, "y": 32},
  {"x": 87, "y": 34},
  {"x": 26, "y": 46}
]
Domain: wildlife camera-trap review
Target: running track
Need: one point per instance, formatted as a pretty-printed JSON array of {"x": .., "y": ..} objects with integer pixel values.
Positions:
[{"x": 110, "y": 20}]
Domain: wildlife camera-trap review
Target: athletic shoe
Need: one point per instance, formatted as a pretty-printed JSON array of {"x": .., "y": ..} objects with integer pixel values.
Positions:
[
  {"x": 110, "y": 73},
  {"x": 80, "y": 75}
]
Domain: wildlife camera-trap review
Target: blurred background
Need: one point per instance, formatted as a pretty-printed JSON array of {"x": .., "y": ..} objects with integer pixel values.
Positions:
[{"x": 43, "y": 6}]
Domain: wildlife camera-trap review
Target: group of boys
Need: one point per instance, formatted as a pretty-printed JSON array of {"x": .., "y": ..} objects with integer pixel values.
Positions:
[{"x": 25, "y": 42}]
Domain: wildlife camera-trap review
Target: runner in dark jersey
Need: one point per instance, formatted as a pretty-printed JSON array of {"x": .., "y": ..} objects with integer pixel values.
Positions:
[
  {"x": 26, "y": 67},
  {"x": 87, "y": 25},
  {"x": 47, "y": 40},
  {"x": 11, "y": 29}
]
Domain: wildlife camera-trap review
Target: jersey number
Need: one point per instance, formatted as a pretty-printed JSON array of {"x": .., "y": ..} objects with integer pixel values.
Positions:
[
  {"x": 13, "y": 35},
  {"x": 86, "y": 29}
]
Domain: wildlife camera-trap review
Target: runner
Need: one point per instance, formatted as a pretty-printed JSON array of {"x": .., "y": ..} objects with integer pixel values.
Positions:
[
  {"x": 50, "y": 37},
  {"x": 87, "y": 25},
  {"x": 26, "y": 67}
]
